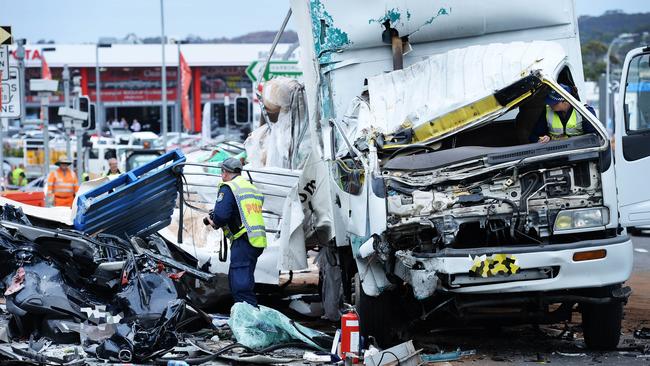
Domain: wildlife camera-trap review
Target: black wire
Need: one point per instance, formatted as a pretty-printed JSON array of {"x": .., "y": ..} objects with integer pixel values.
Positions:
[
  {"x": 515, "y": 210},
  {"x": 384, "y": 354},
  {"x": 217, "y": 354},
  {"x": 409, "y": 147},
  {"x": 200, "y": 360}
]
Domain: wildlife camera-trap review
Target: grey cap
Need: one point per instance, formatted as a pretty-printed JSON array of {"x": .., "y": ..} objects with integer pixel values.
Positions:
[{"x": 232, "y": 165}]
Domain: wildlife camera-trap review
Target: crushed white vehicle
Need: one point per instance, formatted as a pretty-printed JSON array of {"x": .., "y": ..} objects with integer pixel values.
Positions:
[{"x": 447, "y": 207}]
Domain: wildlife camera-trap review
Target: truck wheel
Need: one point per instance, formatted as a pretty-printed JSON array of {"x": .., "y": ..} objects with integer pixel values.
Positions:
[
  {"x": 601, "y": 325},
  {"x": 357, "y": 290},
  {"x": 377, "y": 317}
]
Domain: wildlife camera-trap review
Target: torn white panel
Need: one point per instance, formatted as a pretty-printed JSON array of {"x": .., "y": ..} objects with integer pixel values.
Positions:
[
  {"x": 447, "y": 81},
  {"x": 357, "y": 121},
  {"x": 57, "y": 214},
  {"x": 293, "y": 253}
]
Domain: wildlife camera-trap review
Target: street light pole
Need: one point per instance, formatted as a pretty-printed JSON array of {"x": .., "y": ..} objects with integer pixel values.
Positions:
[
  {"x": 45, "y": 111},
  {"x": 179, "y": 89},
  {"x": 20, "y": 56},
  {"x": 66, "y": 103},
  {"x": 163, "y": 73},
  {"x": 98, "y": 97},
  {"x": 99, "y": 110},
  {"x": 626, "y": 37}
]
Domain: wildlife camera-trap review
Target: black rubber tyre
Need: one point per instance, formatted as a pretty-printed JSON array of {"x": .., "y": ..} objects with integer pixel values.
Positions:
[
  {"x": 378, "y": 317},
  {"x": 601, "y": 325}
]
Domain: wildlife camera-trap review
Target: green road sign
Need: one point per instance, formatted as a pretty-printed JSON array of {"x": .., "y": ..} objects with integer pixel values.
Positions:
[{"x": 275, "y": 68}]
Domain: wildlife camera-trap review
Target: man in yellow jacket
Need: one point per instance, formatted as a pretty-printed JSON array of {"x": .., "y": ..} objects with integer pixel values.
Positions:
[
  {"x": 62, "y": 184},
  {"x": 238, "y": 211},
  {"x": 18, "y": 177}
]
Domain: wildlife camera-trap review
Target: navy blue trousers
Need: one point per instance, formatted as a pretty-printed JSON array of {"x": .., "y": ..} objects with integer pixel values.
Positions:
[{"x": 241, "y": 275}]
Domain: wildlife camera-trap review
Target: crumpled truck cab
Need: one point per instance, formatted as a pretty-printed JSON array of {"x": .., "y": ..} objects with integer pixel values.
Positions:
[{"x": 439, "y": 188}]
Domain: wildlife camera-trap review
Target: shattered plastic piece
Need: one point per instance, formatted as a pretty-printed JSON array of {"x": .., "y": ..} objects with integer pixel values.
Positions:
[
  {"x": 313, "y": 309},
  {"x": 643, "y": 333},
  {"x": 259, "y": 359},
  {"x": 176, "y": 276},
  {"x": 571, "y": 354},
  {"x": 405, "y": 354},
  {"x": 18, "y": 282},
  {"x": 447, "y": 356},
  {"x": 317, "y": 357},
  {"x": 118, "y": 347},
  {"x": 262, "y": 327},
  {"x": 219, "y": 320}
]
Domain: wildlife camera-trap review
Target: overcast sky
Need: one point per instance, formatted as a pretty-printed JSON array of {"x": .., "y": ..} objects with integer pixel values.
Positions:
[{"x": 79, "y": 21}]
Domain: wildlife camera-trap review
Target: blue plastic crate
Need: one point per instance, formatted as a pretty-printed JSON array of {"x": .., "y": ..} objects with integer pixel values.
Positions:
[{"x": 138, "y": 202}]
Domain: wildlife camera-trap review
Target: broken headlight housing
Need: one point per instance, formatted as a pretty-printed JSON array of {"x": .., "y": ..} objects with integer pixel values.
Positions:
[{"x": 581, "y": 219}]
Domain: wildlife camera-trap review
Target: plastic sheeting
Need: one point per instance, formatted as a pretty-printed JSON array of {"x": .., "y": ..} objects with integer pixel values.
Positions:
[
  {"x": 262, "y": 327},
  {"x": 284, "y": 143},
  {"x": 447, "y": 81}
]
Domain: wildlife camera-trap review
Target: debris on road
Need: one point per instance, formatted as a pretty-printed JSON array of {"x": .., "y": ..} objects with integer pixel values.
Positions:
[
  {"x": 119, "y": 298},
  {"x": 404, "y": 354},
  {"x": 262, "y": 327},
  {"x": 643, "y": 333},
  {"x": 447, "y": 356}
]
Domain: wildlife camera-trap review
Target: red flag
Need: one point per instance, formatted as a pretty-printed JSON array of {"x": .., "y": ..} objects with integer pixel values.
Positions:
[
  {"x": 186, "y": 79},
  {"x": 45, "y": 70}
]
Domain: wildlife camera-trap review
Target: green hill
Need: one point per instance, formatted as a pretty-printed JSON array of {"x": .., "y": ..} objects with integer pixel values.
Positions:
[{"x": 596, "y": 33}]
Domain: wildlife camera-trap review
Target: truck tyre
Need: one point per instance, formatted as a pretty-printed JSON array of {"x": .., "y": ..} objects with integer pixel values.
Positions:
[
  {"x": 356, "y": 299},
  {"x": 601, "y": 325},
  {"x": 377, "y": 317}
]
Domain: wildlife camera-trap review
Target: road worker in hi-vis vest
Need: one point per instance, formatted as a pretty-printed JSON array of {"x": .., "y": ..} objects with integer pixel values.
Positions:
[
  {"x": 238, "y": 211},
  {"x": 560, "y": 120},
  {"x": 62, "y": 184}
]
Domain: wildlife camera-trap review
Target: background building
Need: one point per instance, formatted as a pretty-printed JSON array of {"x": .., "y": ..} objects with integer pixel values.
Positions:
[{"x": 130, "y": 78}]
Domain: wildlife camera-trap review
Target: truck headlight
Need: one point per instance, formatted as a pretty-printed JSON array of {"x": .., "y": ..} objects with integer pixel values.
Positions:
[{"x": 581, "y": 218}]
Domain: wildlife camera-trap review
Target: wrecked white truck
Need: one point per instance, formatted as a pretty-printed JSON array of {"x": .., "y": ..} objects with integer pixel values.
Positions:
[{"x": 450, "y": 212}]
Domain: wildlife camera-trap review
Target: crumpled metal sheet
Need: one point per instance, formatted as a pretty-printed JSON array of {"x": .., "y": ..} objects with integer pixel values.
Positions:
[{"x": 120, "y": 297}]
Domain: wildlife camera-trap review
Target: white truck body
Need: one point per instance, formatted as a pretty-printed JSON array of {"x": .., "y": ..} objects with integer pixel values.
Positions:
[{"x": 431, "y": 173}]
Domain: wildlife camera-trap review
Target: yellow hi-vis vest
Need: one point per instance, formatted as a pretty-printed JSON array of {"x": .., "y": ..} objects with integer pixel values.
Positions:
[
  {"x": 15, "y": 177},
  {"x": 249, "y": 202},
  {"x": 557, "y": 131}
]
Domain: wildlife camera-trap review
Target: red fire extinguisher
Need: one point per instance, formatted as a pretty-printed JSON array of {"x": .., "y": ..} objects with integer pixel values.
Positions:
[{"x": 350, "y": 335}]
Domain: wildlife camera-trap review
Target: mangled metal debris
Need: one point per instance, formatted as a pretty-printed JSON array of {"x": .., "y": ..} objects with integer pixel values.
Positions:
[{"x": 119, "y": 298}]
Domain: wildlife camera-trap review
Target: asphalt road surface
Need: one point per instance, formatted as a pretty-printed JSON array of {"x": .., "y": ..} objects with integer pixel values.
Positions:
[{"x": 558, "y": 344}]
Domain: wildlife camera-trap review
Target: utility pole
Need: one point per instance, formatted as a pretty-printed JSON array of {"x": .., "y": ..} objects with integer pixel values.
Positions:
[
  {"x": 226, "y": 104},
  {"x": 179, "y": 90},
  {"x": 76, "y": 81},
  {"x": 99, "y": 110},
  {"x": 163, "y": 73},
  {"x": 20, "y": 56},
  {"x": 66, "y": 103},
  {"x": 45, "y": 106}
]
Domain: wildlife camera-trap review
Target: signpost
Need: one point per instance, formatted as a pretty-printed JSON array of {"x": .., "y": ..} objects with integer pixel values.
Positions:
[
  {"x": 10, "y": 95},
  {"x": 7, "y": 92},
  {"x": 289, "y": 69},
  {"x": 4, "y": 62}
]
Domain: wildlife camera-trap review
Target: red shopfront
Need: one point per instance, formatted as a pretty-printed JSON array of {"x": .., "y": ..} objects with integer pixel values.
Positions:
[{"x": 134, "y": 92}]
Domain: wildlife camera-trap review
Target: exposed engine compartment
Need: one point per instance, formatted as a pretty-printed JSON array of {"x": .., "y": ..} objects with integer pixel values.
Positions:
[{"x": 450, "y": 206}]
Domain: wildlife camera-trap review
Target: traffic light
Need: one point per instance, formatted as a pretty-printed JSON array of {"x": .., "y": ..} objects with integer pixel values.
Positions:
[
  {"x": 220, "y": 115},
  {"x": 91, "y": 117},
  {"x": 242, "y": 114},
  {"x": 84, "y": 106}
]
